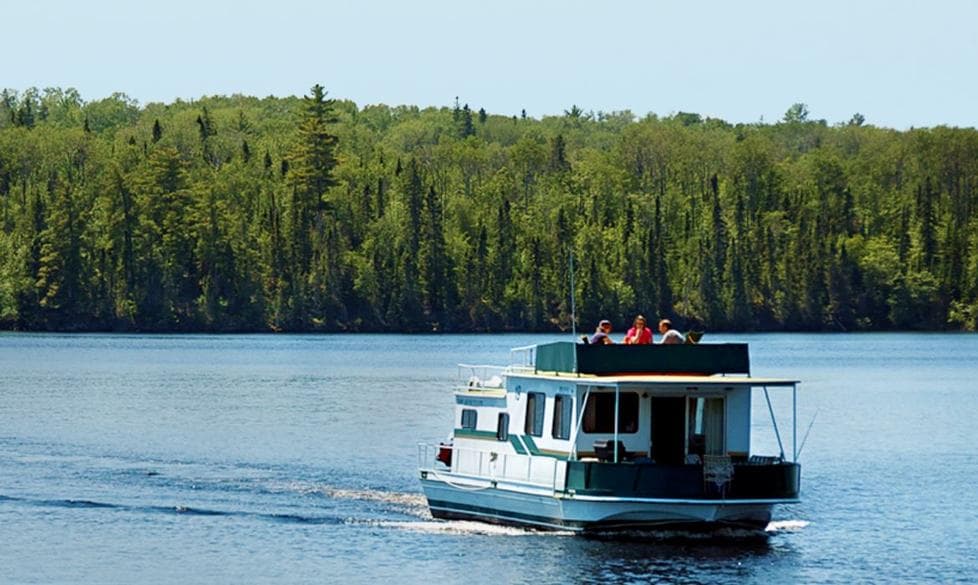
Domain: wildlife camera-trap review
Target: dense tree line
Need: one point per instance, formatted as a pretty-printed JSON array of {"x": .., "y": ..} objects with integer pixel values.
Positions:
[{"x": 309, "y": 214}]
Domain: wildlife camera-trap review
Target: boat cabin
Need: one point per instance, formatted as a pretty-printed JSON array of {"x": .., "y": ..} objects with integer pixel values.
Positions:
[{"x": 668, "y": 406}]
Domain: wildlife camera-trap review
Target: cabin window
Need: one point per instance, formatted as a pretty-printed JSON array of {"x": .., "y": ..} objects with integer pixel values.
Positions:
[
  {"x": 706, "y": 426},
  {"x": 563, "y": 412},
  {"x": 469, "y": 418},
  {"x": 536, "y": 402},
  {"x": 502, "y": 427},
  {"x": 599, "y": 413}
]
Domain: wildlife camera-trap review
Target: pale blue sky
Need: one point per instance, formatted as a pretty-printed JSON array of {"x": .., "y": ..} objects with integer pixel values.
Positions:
[{"x": 899, "y": 63}]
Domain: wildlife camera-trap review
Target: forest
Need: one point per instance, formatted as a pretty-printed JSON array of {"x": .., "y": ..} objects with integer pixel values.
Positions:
[{"x": 314, "y": 214}]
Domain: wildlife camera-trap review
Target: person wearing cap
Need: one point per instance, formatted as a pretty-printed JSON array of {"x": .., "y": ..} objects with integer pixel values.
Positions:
[
  {"x": 601, "y": 334},
  {"x": 639, "y": 334},
  {"x": 669, "y": 335}
]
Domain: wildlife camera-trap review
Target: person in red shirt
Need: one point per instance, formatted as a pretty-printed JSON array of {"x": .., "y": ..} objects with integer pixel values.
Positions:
[{"x": 639, "y": 334}]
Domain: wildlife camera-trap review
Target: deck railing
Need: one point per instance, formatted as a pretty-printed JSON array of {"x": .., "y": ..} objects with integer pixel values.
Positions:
[
  {"x": 538, "y": 471},
  {"x": 472, "y": 376}
]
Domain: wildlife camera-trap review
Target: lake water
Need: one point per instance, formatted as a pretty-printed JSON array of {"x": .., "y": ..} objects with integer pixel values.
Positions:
[{"x": 261, "y": 459}]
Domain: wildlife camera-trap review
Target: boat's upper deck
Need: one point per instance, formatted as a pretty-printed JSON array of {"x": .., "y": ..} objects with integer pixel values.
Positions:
[
  {"x": 694, "y": 364},
  {"x": 654, "y": 379}
]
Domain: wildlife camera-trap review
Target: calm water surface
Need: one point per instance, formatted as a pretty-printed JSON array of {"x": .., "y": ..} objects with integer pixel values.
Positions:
[{"x": 258, "y": 459}]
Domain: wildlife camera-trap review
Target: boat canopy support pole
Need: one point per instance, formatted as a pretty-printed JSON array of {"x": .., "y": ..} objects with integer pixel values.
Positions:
[
  {"x": 573, "y": 306},
  {"x": 580, "y": 421},
  {"x": 794, "y": 423},
  {"x": 774, "y": 421},
  {"x": 617, "y": 402}
]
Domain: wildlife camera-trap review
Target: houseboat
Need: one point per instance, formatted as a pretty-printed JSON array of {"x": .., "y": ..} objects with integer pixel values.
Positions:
[{"x": 596, "y": 438}]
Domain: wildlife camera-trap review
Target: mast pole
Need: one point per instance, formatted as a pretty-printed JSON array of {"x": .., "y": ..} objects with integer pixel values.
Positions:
[
  {"x": 573, "y": 305},
  {"x": 794, "y": 423},
  {"x": 617, "y": 410}
]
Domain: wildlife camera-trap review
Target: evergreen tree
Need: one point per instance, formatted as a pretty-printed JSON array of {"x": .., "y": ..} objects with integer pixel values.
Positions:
[
  {"x": 434, "y": 263},
  {"x": 114, "y": 215},
  {"x": 462, "y": 118},
  {"x": 207, "y": 129},
  {"x": 558, "y": 155},
  {"x": 927, "y": 223}
]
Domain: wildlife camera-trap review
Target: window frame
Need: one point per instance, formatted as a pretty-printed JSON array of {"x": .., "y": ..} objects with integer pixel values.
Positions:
[
  {"x": 560, "y": 428},
  {"x": 502, "y": 426},
  {"x": 533, "y": 426},
  {"x": 474, "y": 416},
  {"x": 591, "y": 425}
]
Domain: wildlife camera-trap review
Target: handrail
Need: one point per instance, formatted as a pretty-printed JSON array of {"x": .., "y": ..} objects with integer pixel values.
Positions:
[
  {"x": 493, "y": 466},
  {"x": 580, "y": 419},
  {"x": 481, "y": 375},
  {"x": 529, "y": 352},
  {"x": 774, "y": 421}
]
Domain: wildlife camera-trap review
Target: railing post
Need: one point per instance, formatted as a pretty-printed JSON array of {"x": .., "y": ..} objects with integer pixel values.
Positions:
[
  {"x": 580, "y": 420},
  {"x": 794, "y": 423},
  {"x": 617, "y": 400}
]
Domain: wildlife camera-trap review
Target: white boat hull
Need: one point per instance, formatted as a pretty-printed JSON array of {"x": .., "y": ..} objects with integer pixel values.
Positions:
[{"x": 461, "y": 498}]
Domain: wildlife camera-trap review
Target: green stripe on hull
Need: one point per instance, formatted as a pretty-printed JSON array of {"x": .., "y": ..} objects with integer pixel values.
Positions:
[
  {"x": 473, "y": 434},
  {"x": 514, "y": 440}
]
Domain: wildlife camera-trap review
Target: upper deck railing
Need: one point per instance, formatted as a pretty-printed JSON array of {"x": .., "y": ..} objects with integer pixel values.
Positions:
[{"x": 580, "y": 358}]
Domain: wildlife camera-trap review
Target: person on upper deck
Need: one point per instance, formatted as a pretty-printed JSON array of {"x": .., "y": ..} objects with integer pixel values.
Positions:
[
  {"x": 601, "y": 334},
  {"x": 669, "y": 335},
  {"x": 639, "y": 334}
]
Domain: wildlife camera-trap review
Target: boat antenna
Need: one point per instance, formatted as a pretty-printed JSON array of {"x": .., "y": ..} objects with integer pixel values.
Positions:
[
  {"x": 573, "y": 306},
  {"x": 805, "y": 438}
]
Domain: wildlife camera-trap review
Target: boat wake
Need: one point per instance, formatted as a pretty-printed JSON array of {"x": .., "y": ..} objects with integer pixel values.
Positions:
[
  {"x": 781, "y": 526},
  {"x": 725, "y": 533},
  {"x": 411, "y": 504},
  {"x": 406, "y": 500},
  {"x": 464, "y": 527},
  {"x": 179, "y": 509}
]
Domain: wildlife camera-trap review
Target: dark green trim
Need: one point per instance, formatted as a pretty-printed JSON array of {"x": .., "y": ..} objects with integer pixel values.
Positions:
[
  {"x": 514, "y": 440},
  {"x": 555, "y": 357},
  {"x": 471, "y": 434},
  {"x": 531, "y": 445},
  {"x": 555, "y": 454},
  {"x": 649, "y": 480},
  {"x": 710, "y": 358}
]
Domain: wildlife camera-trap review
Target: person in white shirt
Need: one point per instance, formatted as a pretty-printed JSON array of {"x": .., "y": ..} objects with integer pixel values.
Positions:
[{"x": 669, "y": 335}]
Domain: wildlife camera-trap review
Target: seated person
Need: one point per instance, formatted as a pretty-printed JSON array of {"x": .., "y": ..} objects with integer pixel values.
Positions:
[
  {"x": 601, "y": 334},
  {"x": 669, "y": 335},
  {"x": 639, "y": 334}
]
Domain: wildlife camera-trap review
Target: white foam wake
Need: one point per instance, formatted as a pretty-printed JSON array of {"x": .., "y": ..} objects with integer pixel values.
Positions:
[
  {"x": 414, "y": 504},
  {"x": 398, "y": 498},
  {"x": 464, "y": 527},
  {"x": 786, "y": 525}
]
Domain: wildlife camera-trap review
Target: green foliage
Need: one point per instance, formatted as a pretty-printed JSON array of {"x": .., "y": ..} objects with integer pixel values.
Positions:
[
  {"x": 311, "y": 214},
  {"x": 796, "y": 114}
]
